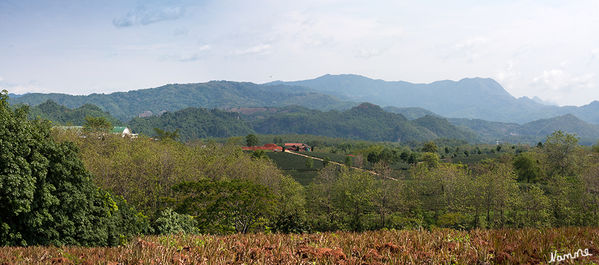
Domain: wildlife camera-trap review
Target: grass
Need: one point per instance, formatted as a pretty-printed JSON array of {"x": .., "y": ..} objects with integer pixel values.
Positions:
[{"x": 443, "y": 246}]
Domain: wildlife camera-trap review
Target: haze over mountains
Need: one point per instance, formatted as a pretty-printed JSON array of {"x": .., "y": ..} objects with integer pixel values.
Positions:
[
  {"x": 481, "y": 109},
  {"x": 473, "y": 98}
]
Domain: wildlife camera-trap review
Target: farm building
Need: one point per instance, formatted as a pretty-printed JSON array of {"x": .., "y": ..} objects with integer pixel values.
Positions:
[{"x": 297, "y": 147}]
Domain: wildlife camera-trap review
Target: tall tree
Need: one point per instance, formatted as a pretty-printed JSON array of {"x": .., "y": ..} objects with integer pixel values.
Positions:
[
  {"x": 251, "y": 140},
  {"x": 46, "y": 195}
]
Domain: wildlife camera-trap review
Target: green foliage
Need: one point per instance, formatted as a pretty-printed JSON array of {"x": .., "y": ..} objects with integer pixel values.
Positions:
[
  {"x": 97, "y": 125},
  {"x": 174, "y": 97},
  {"x": 528, "y": 168},
  {"x": 225, "y": 206},
  {"x": 61, "y": 115},
  {"x": 170, "y": 222},
  {"x": 348, "y": 161},
  {"x": 192, "y": 124},
  {"x": 366, "y": 122},
  {"x": 166, "y": 135},
  {"x": 430, "y": 159},
  {"x": 259, "y": 154},
  {"x": 559, "y": 149},
  {"x": 430, "y": 147},
  {"x": 46, "y": 194},
  {"x": 251, "y": 140}
]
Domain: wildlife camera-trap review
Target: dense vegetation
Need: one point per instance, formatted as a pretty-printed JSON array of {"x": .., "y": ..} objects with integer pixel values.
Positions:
[
  {"x": 93, "y": 188},
  {"x": 46, "y": 194},
  {"x": 61, "y": 115},
  {"x": 550, "y": 185},
  {"x": 365, "y": 122},
  {"x": 531, "y": 132},
  {"x": 173, "y": 97},
  {"x": 157, "y": 175},
  {"x": 193, "y": 123}
]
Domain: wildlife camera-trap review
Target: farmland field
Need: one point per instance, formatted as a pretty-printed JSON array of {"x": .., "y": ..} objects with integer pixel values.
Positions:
[
  {"x": 439, "y": 246},
  {"x": 295, "y": 166}
]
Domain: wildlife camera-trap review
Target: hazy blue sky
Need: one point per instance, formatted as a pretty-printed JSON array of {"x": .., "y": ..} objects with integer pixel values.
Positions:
[{"x": 548, "y": 49}]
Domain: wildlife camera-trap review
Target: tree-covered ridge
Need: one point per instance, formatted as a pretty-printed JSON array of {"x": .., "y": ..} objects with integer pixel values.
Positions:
[
  {"x": 174, "y": 97},
  {"x": 366, "y": 122},
  {"x": 531, "y": 132},
  {"x": 193, "y": 123},
  {"x": 61, "y": 115},
  {"x": 411, "y": 113}
]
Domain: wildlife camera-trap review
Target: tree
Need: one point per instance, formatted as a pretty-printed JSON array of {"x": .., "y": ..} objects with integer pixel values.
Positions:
[
  {"x": 430, "y": 147},
  {"x": 46, "y": 195},
  {"x": 430, "y": 159},
  {"x": 353, "y": 195},
  {"x": 559, "y": 149},
  {"x": 97, "y": 124},
  {"x": 528, "y": 168},
  {"x": 224, "y": 206},
  {"x": 259, "y": 154},
  {"x": 251, "y": 140}
]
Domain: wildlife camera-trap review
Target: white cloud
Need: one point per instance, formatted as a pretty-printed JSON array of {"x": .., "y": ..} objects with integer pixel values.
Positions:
[
  {"x": 557, "y": 85},
  {"x": 145, "y": 16},
  {"x": 557, "y": 79},
  {"x": 258, "y": 49}
]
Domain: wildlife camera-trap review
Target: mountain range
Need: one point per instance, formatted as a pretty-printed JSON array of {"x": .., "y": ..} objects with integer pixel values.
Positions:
[
  {"x": 478, "y": 108},
  {"x": 472, "y": 98}
]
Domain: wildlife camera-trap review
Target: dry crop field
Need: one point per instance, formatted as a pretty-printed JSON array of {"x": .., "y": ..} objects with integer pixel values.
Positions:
[{"x": 442, "y": 246}]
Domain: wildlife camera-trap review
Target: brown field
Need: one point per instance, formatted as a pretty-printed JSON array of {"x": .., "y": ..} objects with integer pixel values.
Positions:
[{"x": 509, "y": 246}]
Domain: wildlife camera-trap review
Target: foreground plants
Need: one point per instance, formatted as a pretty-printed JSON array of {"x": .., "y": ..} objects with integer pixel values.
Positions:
[{"x": 443, "y": 246}]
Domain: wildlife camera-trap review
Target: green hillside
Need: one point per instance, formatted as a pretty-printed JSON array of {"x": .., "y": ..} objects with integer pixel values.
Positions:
[
  {"x": 531, "y": 132},
  {"x": 193, "y": 123},
  {"x": 62, "y": 115},
  {"x": 366, "y": 121},
  {"x": 173, "y": 97}
]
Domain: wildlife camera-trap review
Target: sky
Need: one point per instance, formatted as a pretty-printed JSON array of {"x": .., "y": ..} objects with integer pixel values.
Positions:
[{"x": 548, "y": 49}]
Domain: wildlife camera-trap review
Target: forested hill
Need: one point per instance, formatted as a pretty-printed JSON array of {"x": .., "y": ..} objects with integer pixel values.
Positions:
[
  {"x": 173, "y": 97},
  {"x": 366, "y": 121},
  {"x": 194, "y": 123},
  {"x": 473, "y": 98},
  {"x": 62, "y": 115},
  {"x": 531, "y": 132}
]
